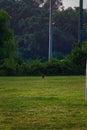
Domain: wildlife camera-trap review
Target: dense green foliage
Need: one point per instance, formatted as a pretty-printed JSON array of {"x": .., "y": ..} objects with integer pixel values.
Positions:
[
  {"x": 30, "y": 24},
  {"x": 7, "y": 45},
  {"x": 33, "y": 103},
  {"x": 73, "y": 64}
]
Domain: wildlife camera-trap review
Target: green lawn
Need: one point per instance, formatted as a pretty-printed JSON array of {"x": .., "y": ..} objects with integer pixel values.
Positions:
[{"x": 33, "y": 103}]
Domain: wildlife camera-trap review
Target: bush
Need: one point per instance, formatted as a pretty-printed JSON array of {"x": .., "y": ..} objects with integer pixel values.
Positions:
[{"x": 73, "y": 64}]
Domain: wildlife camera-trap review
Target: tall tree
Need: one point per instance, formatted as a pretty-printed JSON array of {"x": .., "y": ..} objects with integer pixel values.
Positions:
[{"x": 7, "y": 45}]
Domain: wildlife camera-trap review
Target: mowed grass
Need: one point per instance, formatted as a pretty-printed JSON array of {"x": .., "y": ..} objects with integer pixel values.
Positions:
[{"x": 33, "y": 103}]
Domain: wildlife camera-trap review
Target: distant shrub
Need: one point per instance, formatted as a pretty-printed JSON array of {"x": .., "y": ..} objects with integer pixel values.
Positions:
[{"x": 73, "y": 64}]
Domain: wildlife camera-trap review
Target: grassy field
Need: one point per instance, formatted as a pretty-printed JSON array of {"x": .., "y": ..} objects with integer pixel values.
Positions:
[{"x": 33, "y": 103}]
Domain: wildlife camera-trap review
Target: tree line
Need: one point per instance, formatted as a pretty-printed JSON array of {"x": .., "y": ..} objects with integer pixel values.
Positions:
[
  {"x": 30, "y": 25},
  {"x": 29, "y": 41}
]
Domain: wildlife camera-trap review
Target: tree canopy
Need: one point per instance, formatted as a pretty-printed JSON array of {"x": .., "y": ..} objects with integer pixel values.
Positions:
[
  {"x": 7, "y": 45},
  {"x": 30, "y": 25}
]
